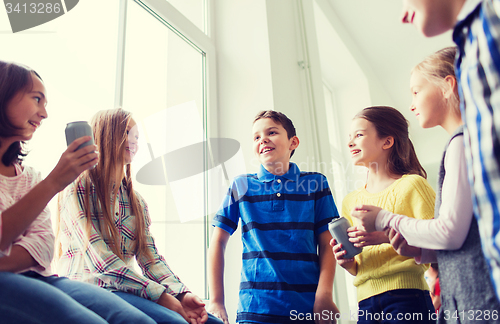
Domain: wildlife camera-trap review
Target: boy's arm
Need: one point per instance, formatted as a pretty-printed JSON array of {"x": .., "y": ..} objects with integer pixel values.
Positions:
[
  {"x": 216, "y": 273},
  {"x": 324, "y": 304}
]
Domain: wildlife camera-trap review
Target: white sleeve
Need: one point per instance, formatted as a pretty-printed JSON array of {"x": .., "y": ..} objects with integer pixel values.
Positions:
[{"x": 449, "y": 230}]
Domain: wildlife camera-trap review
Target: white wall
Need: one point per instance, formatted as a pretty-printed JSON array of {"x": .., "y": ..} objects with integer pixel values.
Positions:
[{"x": 244, "y": 87}]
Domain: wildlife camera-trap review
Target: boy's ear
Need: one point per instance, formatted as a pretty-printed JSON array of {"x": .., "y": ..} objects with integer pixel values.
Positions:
[
  {"x": 452, "y": 84},
  {"x": 294, "y": 143},
  {"x": 388, "y": 143}
]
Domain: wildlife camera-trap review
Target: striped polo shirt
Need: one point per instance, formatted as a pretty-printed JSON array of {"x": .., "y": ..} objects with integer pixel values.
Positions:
[{"x": 281, "y": 220}]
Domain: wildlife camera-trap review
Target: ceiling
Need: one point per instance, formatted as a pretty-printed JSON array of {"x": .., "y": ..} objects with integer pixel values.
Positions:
[{"x": 392, "y": 49}]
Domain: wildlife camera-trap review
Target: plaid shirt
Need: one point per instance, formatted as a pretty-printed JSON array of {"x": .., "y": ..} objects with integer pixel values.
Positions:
[
  {"x": 88, "y": 257},
  {"x": 477, "y": 35}
]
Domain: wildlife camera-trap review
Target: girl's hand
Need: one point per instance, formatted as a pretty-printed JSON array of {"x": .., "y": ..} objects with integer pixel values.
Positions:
[
  {"x": 168, "y": 301},
  {"x": 194, "y": 308},
  {"x": 360, "y": 238},
  {"x": 367, "y": 215},
  {"x": 399, "y": 244},
  {"x": 339, "y": 255},
  {"x": 219, "y": 311},
  {"x": 73, "y": 162}
]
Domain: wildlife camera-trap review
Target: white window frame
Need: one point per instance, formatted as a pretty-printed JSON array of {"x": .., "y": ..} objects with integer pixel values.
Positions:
[{"x": 200, "y": 41}]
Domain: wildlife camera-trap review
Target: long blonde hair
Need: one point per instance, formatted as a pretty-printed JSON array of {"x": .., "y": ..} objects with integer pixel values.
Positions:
[
  {"x": 110, "y": 133},
  {"x": 436, "y": 67}
]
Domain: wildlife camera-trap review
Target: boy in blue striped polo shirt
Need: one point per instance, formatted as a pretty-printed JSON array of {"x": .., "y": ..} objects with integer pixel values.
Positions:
[
  {"x": 288, "y": 266},
  {"x": 476, "y": 32}
]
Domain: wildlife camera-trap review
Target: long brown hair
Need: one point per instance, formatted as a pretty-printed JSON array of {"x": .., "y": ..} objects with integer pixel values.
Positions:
[
  {"x": 14, "y": 78},
  {"x": 390, "y": 122},
  {"x": 110, "y": 133}
]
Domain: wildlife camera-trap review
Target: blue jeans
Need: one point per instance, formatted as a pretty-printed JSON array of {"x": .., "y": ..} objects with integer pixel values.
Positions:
[
  {"x": 397, "y": 306},
  {"x": 160, "y": 314},
  {"x": 31, "y": 298}
]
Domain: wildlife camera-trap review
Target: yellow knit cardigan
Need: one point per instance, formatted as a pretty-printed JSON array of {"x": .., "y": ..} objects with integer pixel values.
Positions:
[{"x": 379, "y": 267}]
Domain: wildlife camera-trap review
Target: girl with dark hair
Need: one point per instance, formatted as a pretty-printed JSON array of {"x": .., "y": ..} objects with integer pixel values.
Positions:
[
  {"x": 29, "y": 292},
  {"x": 390, "y": 287},
  {"x": 103, "y": 228},
  {"x": 390, "y": 122},
  {"x": 453, "y": 237}
]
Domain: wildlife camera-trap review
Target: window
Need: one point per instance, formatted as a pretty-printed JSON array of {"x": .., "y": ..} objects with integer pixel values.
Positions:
[
  {"x": 131, "y": 56},
  {"x": 194, "y": 10},
  {"x": 79, "y": 79},
  {"x": 163, "y": 84}
]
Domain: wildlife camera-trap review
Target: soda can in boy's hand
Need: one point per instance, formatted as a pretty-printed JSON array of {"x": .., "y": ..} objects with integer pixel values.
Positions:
[{"x": 76, "y": 130}]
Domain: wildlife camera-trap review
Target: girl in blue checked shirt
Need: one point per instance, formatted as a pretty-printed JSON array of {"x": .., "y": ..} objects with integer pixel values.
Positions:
[{"x": 104, "y": 225}]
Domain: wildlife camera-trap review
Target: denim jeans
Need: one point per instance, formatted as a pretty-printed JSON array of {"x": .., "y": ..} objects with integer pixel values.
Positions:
[
  {"x": 31, "y": 298},
  {"x": 157, "y": 312},
  {"x": 397, "y": 306}
]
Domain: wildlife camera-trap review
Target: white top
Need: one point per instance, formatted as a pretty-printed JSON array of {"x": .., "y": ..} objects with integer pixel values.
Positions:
[
  {"x": 450, "y": 229},
  {"x": 38, "y": 238}
]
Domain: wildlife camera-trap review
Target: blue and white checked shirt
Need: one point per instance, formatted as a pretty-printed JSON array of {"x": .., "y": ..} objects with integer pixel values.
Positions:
[{"x": 477, "y": 35}]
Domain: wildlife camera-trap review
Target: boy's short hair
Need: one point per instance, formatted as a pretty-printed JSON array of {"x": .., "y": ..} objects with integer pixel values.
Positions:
[{"x": 278, "y": 118}]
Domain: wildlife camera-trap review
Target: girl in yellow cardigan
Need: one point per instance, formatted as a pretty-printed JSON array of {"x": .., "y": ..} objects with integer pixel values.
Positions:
[{"x": 390, "y": 288}]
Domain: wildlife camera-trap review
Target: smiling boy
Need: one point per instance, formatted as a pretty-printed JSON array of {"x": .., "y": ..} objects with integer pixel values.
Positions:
[
  {"x": 476, "y": 32},
  {"x": 284, "y": 217}
]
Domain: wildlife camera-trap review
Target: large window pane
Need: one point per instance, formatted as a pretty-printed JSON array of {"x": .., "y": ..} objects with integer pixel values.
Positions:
[
  {"x": 77, "y": 61},
  {"x": 163, "y": 86}
]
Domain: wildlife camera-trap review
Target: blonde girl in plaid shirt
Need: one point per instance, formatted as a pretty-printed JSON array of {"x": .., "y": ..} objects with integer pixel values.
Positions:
[{"x": 104, "y": 225}]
